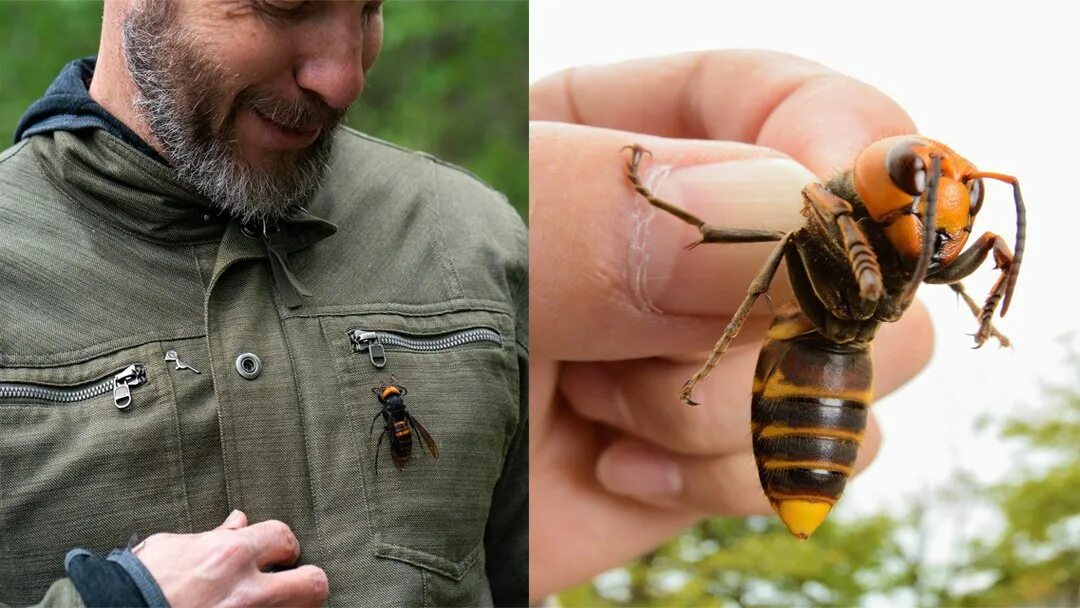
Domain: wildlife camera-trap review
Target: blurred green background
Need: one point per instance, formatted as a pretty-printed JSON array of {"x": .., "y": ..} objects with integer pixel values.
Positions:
[{"x": 451, "y": 79}]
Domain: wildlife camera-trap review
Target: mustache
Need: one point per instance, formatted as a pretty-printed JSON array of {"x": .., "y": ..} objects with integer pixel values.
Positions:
[{"x": 302, "y": 115}]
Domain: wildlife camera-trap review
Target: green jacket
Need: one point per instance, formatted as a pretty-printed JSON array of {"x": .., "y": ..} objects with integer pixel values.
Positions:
[{"x": 107, "y": 262}]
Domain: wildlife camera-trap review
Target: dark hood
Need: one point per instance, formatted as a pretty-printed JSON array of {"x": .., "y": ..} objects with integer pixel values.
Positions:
[{"x": 67, "y": 106}]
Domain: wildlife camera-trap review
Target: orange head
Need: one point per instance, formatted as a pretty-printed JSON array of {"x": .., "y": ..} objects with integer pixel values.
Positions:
[
  {"x": 387, "y": 391},
  {"x": 893, "y": 174}
]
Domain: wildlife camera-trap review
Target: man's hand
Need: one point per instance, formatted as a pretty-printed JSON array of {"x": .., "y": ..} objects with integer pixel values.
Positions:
[
  {"x": 227, "y": 566},
  {"x": 623, "y": 313}
]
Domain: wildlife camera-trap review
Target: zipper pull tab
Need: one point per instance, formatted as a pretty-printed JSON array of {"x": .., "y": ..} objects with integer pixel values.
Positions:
[
  {"x": 133, "y": 375},
  {"x": 288, "y": 285},
  {"x": 369, "y": 341}
]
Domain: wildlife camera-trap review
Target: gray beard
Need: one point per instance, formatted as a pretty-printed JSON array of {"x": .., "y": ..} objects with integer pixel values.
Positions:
[{"x": 176, "y": 87}]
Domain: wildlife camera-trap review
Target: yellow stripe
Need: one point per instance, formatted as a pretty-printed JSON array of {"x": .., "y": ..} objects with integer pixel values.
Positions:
[
  {"x": 789, "y": 328},
  {"x": 772, "y": 465},
  {"x": 776, "y": 498},
  {"x": 778, "y": 387},
  {"x": 773, "y": 430}
]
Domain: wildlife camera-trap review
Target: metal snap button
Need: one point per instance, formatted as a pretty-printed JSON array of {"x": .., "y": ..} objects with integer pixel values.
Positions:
[{"x": 248, "y": 366}]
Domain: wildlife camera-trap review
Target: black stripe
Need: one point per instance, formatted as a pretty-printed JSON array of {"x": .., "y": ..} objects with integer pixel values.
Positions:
[
  {"x": 809, "y": 412},
  {"x": 796, "y": 447},
  {"x": 803, "y": 482}
]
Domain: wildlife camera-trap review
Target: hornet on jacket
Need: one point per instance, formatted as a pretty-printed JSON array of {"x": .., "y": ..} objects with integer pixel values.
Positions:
[{"x": 399, "y": 426}]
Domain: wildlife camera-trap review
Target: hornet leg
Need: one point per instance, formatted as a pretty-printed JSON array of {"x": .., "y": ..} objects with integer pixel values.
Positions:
[
  {"x": 958, "y": 287},
  {"x": 378, "y": 450},
  {"x": 709, "y": 233},
  {"x": 967, "y": 262},
  {"x": 758, "y": 286},
  {"x": 832, "y": 209}
]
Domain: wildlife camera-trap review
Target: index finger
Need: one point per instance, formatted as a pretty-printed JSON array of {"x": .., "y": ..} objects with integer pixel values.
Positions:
[
  {"x": 272, "y": 543},
  {"x": 303, "y": 586},
  {"x": 817, "y": 116}
]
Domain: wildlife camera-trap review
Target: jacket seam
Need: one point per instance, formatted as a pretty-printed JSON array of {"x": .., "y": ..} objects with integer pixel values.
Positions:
[
  {"x": 198, "y": 270},
  {"x": 455, "y": 286},
  {"x": 10, "y": 153},
  {"x": 304, "y": 437},
  {"x": 491, "y": 306},
  {"x": 179, "y": 445},
  {"x": 83, "y": 355},
  {"x": 424, "y": 155}
]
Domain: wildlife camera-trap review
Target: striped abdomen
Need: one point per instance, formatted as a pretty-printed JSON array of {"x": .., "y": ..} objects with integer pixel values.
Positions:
[
  {"x": 808, "y": 415},
  {"x": 400, "y": 442}
]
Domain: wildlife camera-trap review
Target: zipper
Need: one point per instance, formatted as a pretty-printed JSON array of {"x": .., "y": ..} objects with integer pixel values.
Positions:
[
  {"x": 119, "y": 383},
  {"x": 374, "y": 343}
]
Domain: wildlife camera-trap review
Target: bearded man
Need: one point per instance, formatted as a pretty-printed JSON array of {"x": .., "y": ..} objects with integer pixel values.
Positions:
[{"x": 281, "y": 361}]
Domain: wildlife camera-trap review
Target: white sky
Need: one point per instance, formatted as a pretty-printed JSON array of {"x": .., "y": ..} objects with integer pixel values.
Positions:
[{"x": 998, "y": 83}]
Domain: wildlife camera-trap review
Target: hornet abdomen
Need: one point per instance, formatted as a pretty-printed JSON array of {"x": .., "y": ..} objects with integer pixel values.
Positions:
[{"x": 808, "y": 415}]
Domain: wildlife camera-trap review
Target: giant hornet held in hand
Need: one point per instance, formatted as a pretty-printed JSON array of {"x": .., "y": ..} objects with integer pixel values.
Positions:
[
  {"x": 399, "y": 426},
  {"x": 900, "y": 217}
]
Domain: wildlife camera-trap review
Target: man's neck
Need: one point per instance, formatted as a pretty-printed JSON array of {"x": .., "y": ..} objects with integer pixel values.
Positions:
[{"x": 111, "y": 86}]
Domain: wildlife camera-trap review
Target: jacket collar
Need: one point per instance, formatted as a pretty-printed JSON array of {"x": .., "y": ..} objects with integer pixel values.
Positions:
[{"x": 114, "y": 181}]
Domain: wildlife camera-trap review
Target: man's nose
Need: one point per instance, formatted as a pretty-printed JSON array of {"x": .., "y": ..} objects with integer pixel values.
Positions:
[{"x": 332, "y": 65}]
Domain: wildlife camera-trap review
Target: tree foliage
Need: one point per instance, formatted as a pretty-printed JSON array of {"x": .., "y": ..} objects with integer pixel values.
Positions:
[
  {"x": 755, "y": 561},
  {"x": 1036, "y": 560},
  {"x": 451, "y": 79}
]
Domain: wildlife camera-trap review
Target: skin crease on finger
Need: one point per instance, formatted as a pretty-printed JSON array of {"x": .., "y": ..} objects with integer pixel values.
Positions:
[{"x": 596, "y": 216}]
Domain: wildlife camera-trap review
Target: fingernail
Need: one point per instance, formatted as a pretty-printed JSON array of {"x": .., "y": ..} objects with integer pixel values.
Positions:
[
  {"x": 758, "y": 193},
  {"x": 638, "y": 472},
  {"x": 235, "y": 517}
]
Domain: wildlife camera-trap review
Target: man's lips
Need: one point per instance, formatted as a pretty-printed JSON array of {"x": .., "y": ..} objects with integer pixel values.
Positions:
[{"x": 288, "y": 137}]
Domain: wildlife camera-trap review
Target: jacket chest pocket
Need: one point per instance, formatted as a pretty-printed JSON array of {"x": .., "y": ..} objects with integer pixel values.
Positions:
[
  {"x": 89, "y": 455},
  {"x": 421, "y": 388}
]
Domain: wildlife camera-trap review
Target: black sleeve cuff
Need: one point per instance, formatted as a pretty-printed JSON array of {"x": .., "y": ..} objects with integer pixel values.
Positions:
[{"x": 101, "y": 582}]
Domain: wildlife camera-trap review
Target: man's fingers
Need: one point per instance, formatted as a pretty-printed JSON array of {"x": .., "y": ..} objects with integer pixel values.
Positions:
[
  {"x": 726, "y": 484},
  {"x": 605, "y": 253},
  {"x": 818, "y": 116},
  {"x": 272, "y": 543},
  {"x": 303, "y": 586},
  {"x": 236, "y": 520},
  {"x": 640, "y": 397}
]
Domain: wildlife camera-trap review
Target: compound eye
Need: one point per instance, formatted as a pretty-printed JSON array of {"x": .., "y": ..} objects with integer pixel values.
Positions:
[
  {"x": 906, "y": 168},
  {"x": 975, "y": 194}
]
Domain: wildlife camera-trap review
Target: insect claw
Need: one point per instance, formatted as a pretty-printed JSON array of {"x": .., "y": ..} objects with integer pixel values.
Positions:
[{"x": 636, "y": 152}]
